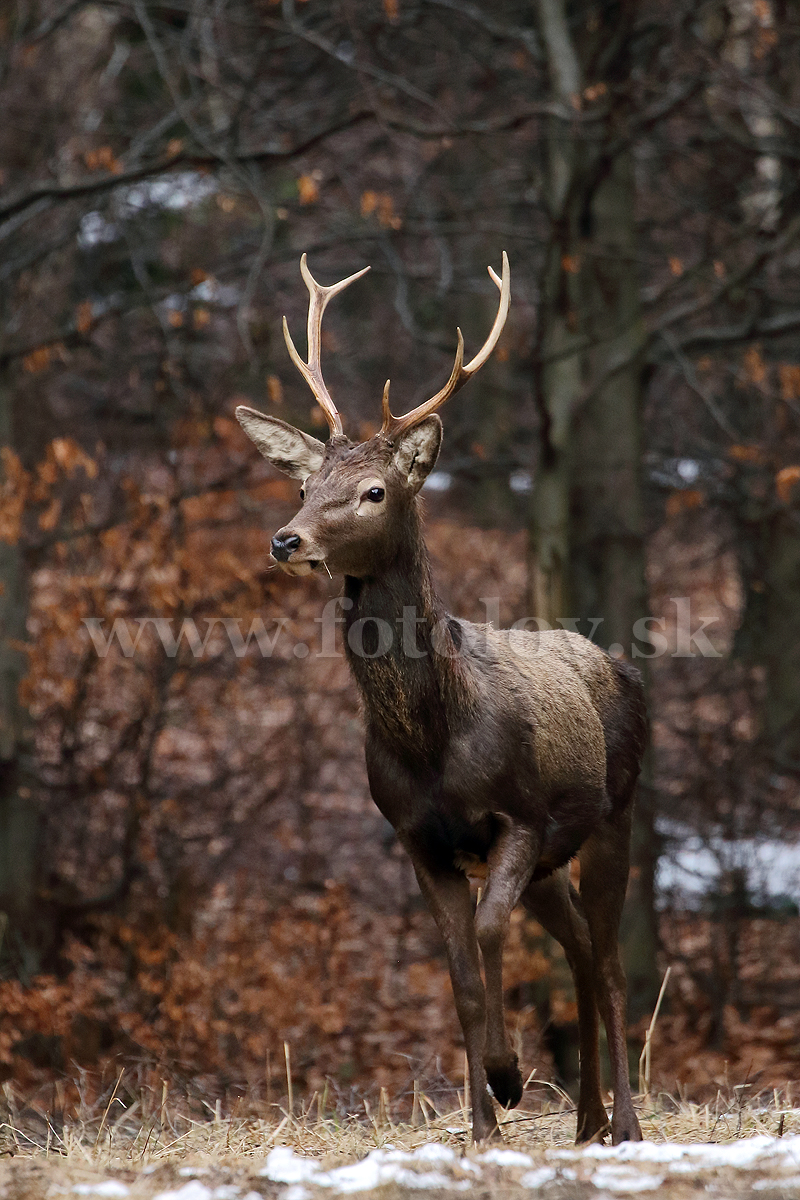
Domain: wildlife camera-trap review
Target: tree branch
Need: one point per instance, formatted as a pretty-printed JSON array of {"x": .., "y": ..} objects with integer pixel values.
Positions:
[
  {"x": 50, "y": 24},
  {"x": 313, "y": 38},
  {"x": 106, "y": 183},
  {"x": 690, "y": 376},
  {"x": 514, "y": 33},
  {"x": 745, "y": 331}
]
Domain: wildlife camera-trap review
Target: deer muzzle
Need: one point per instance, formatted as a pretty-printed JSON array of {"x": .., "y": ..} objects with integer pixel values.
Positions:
[
  {"x": 290, "y": 551},
  {"x": 284, "y": 545}
]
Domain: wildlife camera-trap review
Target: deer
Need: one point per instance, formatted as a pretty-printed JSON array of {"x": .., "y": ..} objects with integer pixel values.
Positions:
[{"x": 517, "y": 749}]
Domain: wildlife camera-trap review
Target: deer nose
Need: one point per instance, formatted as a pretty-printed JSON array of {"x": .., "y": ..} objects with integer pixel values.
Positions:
[{"x": 283, "y": 545}]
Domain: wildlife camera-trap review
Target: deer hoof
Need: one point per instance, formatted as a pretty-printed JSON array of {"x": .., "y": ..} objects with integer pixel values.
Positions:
[
  {"x": 592, "y": 1130},
  {"x": 626, "y": 1129},
  {"x": 505, "y": 1080},
  {"x": 489, "y": 1134}
]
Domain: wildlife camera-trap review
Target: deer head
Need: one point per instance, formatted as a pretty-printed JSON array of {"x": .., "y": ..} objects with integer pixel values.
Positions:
[{"x": 354, "y": 495}]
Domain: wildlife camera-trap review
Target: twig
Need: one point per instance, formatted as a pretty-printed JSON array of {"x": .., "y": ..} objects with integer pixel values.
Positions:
[
  {"x": 415, "y": 1107},
  {"x": 466, "y": 1089},
  {"x": 108, "y": 1106},
  {"x": 644, "y": 1058},
  {"x": 287, "y": 1055},
  {"x": 693, "y": 382}
]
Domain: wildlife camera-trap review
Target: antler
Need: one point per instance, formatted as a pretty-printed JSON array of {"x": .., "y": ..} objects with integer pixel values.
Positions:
[
  {"x": 460, "y": 373},
  {"x": 311, "y": 371}
]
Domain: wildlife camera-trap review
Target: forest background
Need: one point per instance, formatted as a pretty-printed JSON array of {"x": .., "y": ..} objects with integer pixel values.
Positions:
[{"x": 192, "y": 873}]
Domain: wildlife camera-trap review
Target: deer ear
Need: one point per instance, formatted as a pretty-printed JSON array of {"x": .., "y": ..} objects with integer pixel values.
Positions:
[
  {"x": 287, "y": 448},
  {"x": 416, "y": 451}
]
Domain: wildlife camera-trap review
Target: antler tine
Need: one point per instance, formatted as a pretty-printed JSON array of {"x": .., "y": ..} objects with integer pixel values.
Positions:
[
  {"x": 460, "y": 373},
  {"x": 311, "y": 370}
]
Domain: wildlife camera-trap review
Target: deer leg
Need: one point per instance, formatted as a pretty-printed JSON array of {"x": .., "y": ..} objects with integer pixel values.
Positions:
[
  {"x": 551, "y": 902},
  {"x": 448, "y": 898},
  {"x": 604, "y": 860},
  {"x": 512, "y": 859}
]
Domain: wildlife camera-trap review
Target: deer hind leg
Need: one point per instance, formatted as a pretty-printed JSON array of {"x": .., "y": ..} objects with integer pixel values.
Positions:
[
  {"x": 512, "y": 859},
  {"x": 604, "y": 860},
  {"x": 552, "y": 902},
  {"x": 448, "y": 897}
]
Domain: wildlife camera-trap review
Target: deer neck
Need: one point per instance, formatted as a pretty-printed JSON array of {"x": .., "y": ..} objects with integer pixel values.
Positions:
[{"x": 403, "y": 651}]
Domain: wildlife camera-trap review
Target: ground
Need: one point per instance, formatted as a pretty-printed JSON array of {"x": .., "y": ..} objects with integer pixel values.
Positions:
[{"x": 727, "y": 1151}]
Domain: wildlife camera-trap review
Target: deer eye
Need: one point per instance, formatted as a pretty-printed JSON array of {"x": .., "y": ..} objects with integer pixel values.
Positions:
[
  {"x": 302, "y": 493},
  {"x": 375, "y": 494}
]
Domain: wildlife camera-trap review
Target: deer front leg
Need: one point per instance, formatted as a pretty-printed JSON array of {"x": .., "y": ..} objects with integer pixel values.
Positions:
[
  {"x": 448, "y": 898},
  {"x": 512, "y": 859}
]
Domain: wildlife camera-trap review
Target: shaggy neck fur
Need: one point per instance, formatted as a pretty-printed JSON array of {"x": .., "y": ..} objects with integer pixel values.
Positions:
[{"x": 411, "y": 702}]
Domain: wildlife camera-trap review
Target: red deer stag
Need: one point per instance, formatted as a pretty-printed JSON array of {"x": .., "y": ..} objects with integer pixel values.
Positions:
[{"x": 519, "y": 748}]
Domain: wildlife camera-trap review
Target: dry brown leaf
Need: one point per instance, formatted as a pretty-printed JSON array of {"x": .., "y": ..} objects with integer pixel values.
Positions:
[
  {"x": 746, "y": 453},
  {"x": 754, "y": 366},
  {"x": 307, "y": 190},
  {"x": 683, "y": 500},
  {"x": 37, "y": 360},
  {"x": 83, "y": 316},
  {"x": 785, "y": 482}
]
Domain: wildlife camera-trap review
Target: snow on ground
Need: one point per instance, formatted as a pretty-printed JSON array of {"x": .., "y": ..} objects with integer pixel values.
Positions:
[
  {"x": 747, "y": 1167},
  {"x": 105, "y": 1187},
  {"x": 692, "y": 865},
  {"x": 619, "y": 1170}
]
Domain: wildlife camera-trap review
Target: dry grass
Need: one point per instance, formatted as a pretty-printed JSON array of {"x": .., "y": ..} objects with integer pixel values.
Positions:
[{"x": 163, "y": 1152}]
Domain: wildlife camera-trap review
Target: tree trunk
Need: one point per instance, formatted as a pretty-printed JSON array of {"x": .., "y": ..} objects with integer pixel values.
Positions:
[
  {"x": 606, "y": 511},
  {"x": 782, "y": 642},
  {"x": 770, "y": 632},
  {"x": 20, "y": 824},
  {"x": 586, "y": 541},
  {"x": 769, "y": 636},
  {"x": 557, "y": 365}
]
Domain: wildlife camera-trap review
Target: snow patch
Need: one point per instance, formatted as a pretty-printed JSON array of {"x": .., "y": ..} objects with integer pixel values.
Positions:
[
  {"x": 520, "y": 482},
  {"x": 619, "y": 1170},
  {"x": 181, "y": 189},
  {"x": 211, "y": 291},
  {"x": 284, "y": 1166},
  {"x": 693, "y": 866},
  {"x": 112, "y": 1188},
  {"x": 621, "y": 1179},
  {"x": 538, "y": 1177},
  {"x": 361, "y": 1176},
  {"x": 377, "y": 1169},
  {"x": 438, "y": 481},
  {"x": 434, "y": 1152},
  {"x": 95, "y": 230},
  {"x": 506, "y": 1158},
  {"x": 190, "y": 1191},
  {"x": 733, "y": 1154},
  {"x": 682, "y": 1159},
  {"x": 427, "y": 1180}
]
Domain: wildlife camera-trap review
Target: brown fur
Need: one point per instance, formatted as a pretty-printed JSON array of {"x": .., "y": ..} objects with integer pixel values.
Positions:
[{"x": 510, "y": 749}]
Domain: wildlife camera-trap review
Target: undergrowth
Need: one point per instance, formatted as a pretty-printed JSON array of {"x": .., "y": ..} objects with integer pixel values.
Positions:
[{"x": 112, "y": 1126}]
